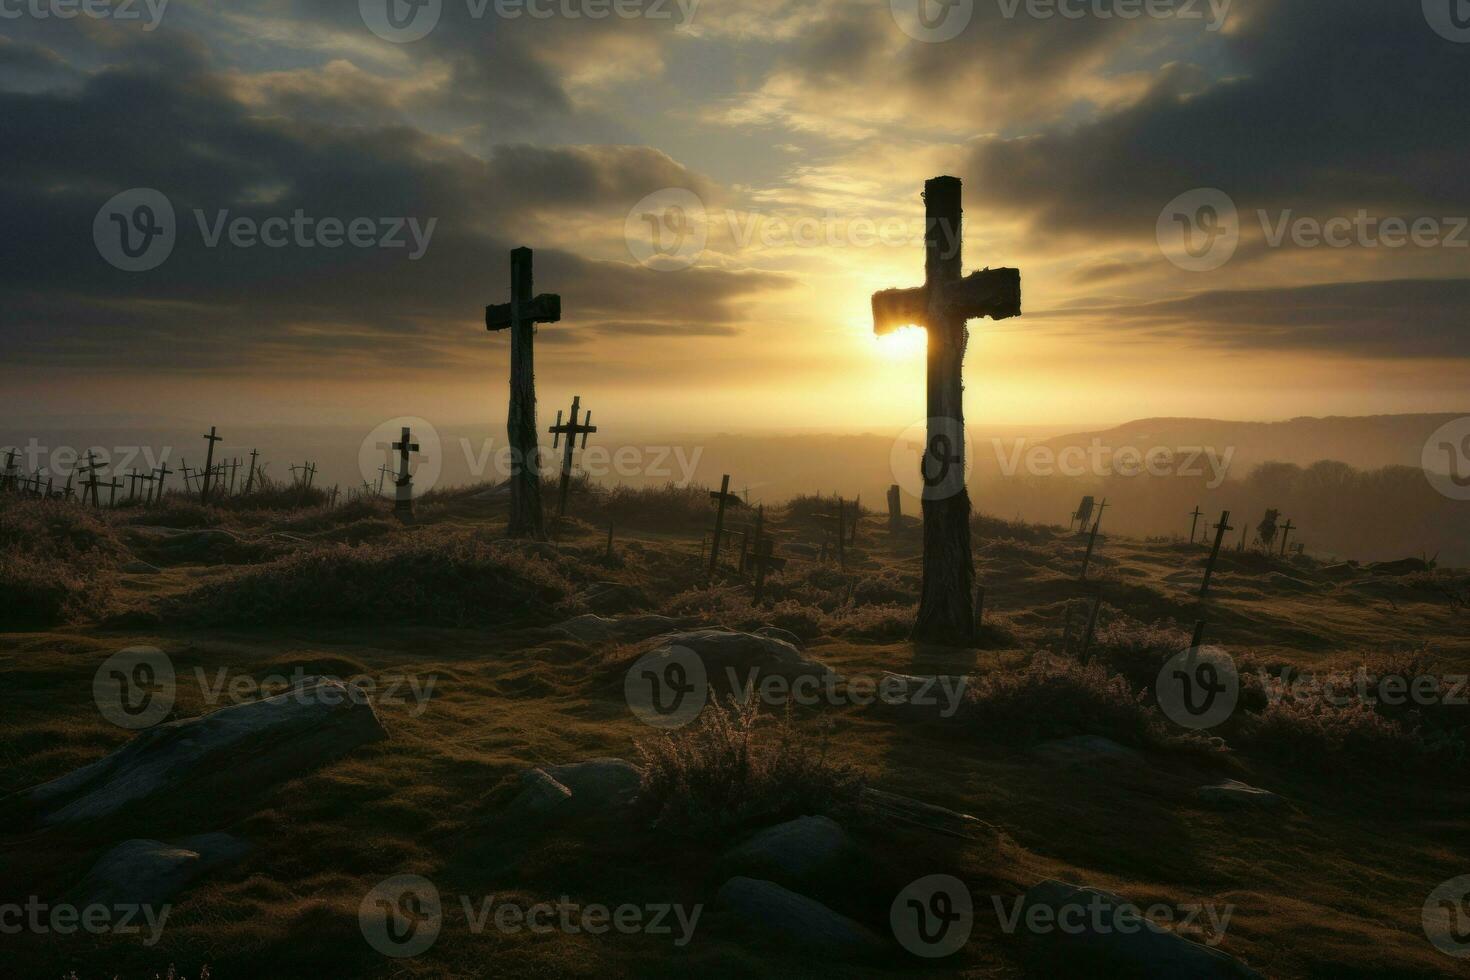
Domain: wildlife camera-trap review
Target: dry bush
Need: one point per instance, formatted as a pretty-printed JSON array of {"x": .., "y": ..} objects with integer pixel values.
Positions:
[
  {"x": 175, "y": 511},
  {"x": 56, "y": 563},
  {"x": 984, "y": 527},
  {"x": 1057, "y": 698},
  {"x": 1137, "y": 650},
  {"x": 323, "y": 518},
  {"x": 440, "y": 579},
  {"x": 737, "y": 768},
  {"x": 731, "y": 605},
  {"x": 669, "y": 507}
]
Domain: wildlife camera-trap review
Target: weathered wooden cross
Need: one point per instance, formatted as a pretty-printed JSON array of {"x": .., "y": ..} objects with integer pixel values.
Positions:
[
  {"x": 1286, "y": 530},
  {"x": 571, "y": 430},
  {"x": 1220, "y": 530},
  {"x": 91, "y": 483},
  {"x": 7, "y": 479},
  {"x": 722, "y": 498},
  {"x": 941, "y": 306},
  {"x": 1083, "y": 515},
  {"x": 520, "y": 316},
  {"x": 162, "y": 473},
  {"x": 112, "y": 487},
  {"x": 403, "y": 497},
  {"x": 1194, "y": 522},
  {"x": 1092, "y": 540},
  {"x": 208, "y": 465},
  {"x": 250, "y": 477}
]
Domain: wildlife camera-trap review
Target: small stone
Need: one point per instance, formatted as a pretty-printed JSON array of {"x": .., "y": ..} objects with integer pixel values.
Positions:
[
  {"x": 1234, "y": 794},
  {"x": 782, "y": 915},
  {"x": 150, "y": 872}
]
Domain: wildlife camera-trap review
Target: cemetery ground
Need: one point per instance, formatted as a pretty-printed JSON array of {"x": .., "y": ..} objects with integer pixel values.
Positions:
[{"x": 492, "y": 658}]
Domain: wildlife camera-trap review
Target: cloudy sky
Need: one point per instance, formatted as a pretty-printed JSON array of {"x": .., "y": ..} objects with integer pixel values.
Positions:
[{"x": 716, "y": 188}]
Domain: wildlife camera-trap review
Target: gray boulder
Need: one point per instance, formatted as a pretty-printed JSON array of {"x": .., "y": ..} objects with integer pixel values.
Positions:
[
  {"x": 732, "y": 659},
  {"x": 792, "y": 851},
  {"x": 1233, "y": 794},
  {"x": 784, "y": 916},
  {"x": 1109, "y": 936},
  {"x": 230, "y": 754},
  {"x": 607, "y": 786},
  {"x": 150, "y": 872}
]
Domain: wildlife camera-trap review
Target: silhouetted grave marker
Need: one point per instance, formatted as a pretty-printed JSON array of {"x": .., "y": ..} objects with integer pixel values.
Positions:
[
  {"x": 188, "y": 475},
  {"x": 764, "y": 561},
  {"x": 1194, "y": 522},
  {"x": 384, "y": 472},
  {"x": 7, "y": 481},
  {"x": 162, "y": 473},
  {"x": 520, "y": 316},
  {"x": 1083, "y": 515},
  {"x": 208, "y": 466},
  {"x": 1091, "y": 627},
  {"x": 1266, "y": 530},
  {"x": 1286, "y": 530},
  {"x": 722, "y": 498},
  {"x": 89, "y": 486},
  {"x": 895, "y": 509},
  {"x": 403, "y": 495},
  {"x": 1091, "y": 541},
  {"x": 942, "y": 306},
  {"x": 112, "y": 486},
  {"x": 570, "y": 430},
  {"x": 234, "y": 466},
  {"x": 1243, "y": 532},
  {"x": 1220, "y": 530},
  {"x": 250, "y": 477},
  {"x": 67, "y": 491}
]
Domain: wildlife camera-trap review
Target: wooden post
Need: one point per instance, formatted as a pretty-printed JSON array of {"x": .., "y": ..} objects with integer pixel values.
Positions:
[
  {"x": 723, "y": 497},
  {"x": 250, "y": 477},
  {"x": 895, "y": 509},
  {"x": 162, "y": 473},
  {"x": 520, "y": 316},
  {"x": 1194, "y": 522},
  {"x": 1091, "y": 541},
  {"x": 208, "y": 465},
  {"x": 571, "y": 431},
  {"x": 1286, "y": 530},
  {"x": 1091, "y": 627},
  {"x": 764, "y": 562},
  {"x": 1220, "y": 530},
  {"x": 744, "y": 547},
  {"x": 857, "y": 515},
  {"x": 942, "y": 306}
]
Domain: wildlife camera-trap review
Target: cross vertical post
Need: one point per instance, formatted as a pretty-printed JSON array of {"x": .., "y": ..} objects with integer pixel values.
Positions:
[
  {"x": 1194, "y": 522},
  {"x": 403, "y": 497},
  {"x": 250, "y": 477},
  {"x": 571, "y": 430},
  {"x": 1091, "y": 543},
  {"x": 1091, "y": 627},
  {"x": 1220, "y": 530},
  {"x": 942, "y": 306},
  {"x": 162, "y": 473},
  {"x": 723, "y": 497},
  {"x": 520, "y": 316},
  {"x": 208, "y": 465},
  {"x": 1286, "y": 530}
]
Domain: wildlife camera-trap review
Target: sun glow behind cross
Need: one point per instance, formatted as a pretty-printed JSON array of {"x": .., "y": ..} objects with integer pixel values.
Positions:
[{"x": 905, "y": 342}]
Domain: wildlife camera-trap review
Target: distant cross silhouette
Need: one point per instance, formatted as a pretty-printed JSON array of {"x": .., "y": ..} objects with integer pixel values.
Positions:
[
  {"x": 1083, "y": 515},
  {"x": 722, "y": 498},
  {"x": 208, "y": 465},
  {"x": 384, "y": 472},
  {"x": 941, "y": 306},
  {"x": 91, "y": 483},
  {"x": 520, "y": 316},
  {"x": 403, "y": 497},
  {"x": 1220, "y": 530},
  {"x": 1194, "y": 522},
  {"x": 7, "y": 481},
  {"x": 250, "y": 477},
  {"x": 571, "y": 430},
  {"x": 895, "y": 509},
  {"x": 1286, "y": 530},
  {"x": 162, "y": 473},
  {"x": 1092, "y": 541},
  {"x": 112, "y": 487}
]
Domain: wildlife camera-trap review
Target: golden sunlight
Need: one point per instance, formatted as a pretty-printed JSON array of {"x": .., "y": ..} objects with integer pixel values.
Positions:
[{"x": 904, "y": 342}]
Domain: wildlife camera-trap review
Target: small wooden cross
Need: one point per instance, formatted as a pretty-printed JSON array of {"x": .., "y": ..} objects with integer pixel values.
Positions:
[
  {"x": 112, "y": 487},
  {"x": 208, "y": 465},
  {"x": 162, "y": 473},
  {"x": 520, "y": 316},
  {"x": 250, "y": 477},
  {"x": 403, "y": 497},
  {"x": 1220, "y": 530},
  {"x": 1194, "y": 522},
  {"x": 1286, "y": 530},
  {"x": 7, "y": 479},
  {"x": 91, "y": 483},
  {"x": 384, "y": 472},
  {"x": 571, "y": 430},
  {"x": 721, "y": 499}
]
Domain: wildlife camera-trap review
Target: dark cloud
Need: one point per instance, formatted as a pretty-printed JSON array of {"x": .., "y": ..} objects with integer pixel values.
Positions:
[{"x": 1400, "y": 318}]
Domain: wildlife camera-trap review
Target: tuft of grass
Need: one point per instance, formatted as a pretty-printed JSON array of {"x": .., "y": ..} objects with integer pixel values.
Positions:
[
  {"x": 737, "y": 768},
  {"x": 56, "y": 563}
]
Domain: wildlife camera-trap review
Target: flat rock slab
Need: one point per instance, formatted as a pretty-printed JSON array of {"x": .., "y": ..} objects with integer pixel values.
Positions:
[
  {"x": 150, "y": 872},
  {"x": 592, "y": 628},
  {"x": 229, "y": 755},
  {"x": 732, "y": 659},
  {"x": 1107, "y": 936},
  {"x": 1233, "y": 794},
  {"x": 1087, "y": 750},
  {"x": 779, "y": 914},
  {"x": 607, "y": 785},
  {"x": 792, "y": 851}
]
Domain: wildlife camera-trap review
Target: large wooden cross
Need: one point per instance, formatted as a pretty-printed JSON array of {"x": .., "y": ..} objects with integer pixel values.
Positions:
[
  {"x": 941, "y": 306},
  {"x": 722, "y": 499},
  {"x": 403, "y": 496},
  {"x": 571, "y": 429},
  {"x": 208, "y": 465},
  {"x": 520, "y": 316}
]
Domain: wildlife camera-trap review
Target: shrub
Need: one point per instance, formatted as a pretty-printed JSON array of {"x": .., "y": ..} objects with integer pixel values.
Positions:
[
  {"x": 736, "y": 769},
  {"x": 56, "y": 563},
  {"x": 444, "y": 579},
  {"x": 1137, "y": 650},
  {"x": 1058, "y": 698}
]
